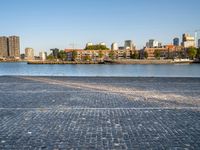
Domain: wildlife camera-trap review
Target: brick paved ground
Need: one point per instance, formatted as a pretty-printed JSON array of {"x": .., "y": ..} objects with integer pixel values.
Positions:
[{"x": 99, "y": 113}]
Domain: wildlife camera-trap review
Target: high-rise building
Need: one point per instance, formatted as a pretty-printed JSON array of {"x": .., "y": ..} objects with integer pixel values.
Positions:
[
  {"x": 3, "y": 46},
  {"x": 29, "y": 53},
  {"x": 128, "y": 44},
  {"x": 188, "y": 41},
  {"x": 14, "y": 46},
  {"x": 114, "y": 46},
  {"x": 176, "y": 41},
  {"x": 198, "y": 43}
]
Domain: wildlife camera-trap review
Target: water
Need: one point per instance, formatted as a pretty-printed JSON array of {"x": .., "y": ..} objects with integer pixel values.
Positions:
[{"x": 171, "y": 70}]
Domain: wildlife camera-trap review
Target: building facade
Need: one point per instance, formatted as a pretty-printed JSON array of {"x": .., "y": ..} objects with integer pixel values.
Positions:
[
  {"x": 97, "y": 55},
  {"x": 198, "y": 43},
  {"x": 3, "y": 46},
  {"x": 176, "y": 41},
  {"x": 14, "y": 46},
  {"x": 10, "y": 47},
  {"x": 188, "y": 41},
  {"x": 43, "y": 55},
  {"x": 128, "y": 45},
  {"x": 29, "y": 54},
  {"x": 153, "y": 43},
  {"x": 167, "y": 51},
  {"x": 114, "y": 46}
]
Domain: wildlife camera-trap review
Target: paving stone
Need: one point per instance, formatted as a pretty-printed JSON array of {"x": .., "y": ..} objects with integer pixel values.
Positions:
[{"x": 99, "y": 113}]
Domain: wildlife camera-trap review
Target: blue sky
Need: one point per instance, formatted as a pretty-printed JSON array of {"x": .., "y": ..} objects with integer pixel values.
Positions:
[{"x": 45, "y": 24}]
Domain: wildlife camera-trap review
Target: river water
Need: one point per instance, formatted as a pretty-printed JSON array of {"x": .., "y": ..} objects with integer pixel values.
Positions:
[{"x": 169, "y": 70}]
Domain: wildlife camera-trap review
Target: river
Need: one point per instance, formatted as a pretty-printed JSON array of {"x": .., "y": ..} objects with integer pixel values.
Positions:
[{"x": 168, "y": 70}]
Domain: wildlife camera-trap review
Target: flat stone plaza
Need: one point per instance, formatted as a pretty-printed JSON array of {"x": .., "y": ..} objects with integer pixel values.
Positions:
[{"x": 86, "y": 113}]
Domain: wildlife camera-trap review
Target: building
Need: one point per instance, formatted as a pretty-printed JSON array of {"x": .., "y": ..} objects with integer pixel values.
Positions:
[
  {"x": 3, "y": 46},
  {"x": 29, "y": 54},
  {"x": 14, "y": 46},
  {"x": 198, "y": 43},
  {"x": 153, "y": 43},
  {"x": 176, "y": 41},
  {"x": 128, "y": 44},
  {"x": 188, "y": 41},
  {"x": 97, "y": 55},
  {"x": 121, "y": 48},
  {"x": 10, "y": 47},
  {"x": 43, "y": 55},
  {"x": 114, "y": 46},
  {"x": 167, "y": 51}
]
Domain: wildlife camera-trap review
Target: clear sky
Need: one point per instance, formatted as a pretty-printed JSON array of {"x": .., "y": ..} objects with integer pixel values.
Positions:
[{"x": 45, "y": 24}]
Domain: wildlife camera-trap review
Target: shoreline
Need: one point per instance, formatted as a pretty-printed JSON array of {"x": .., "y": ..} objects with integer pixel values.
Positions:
[{"x": 125, "y": 62}]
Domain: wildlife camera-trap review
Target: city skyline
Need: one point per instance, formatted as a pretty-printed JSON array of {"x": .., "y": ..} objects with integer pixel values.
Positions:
[{"x": 43, "y": 25}]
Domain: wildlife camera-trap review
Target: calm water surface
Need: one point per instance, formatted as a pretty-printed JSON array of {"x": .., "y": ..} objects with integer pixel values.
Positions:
[{"x": 178, "y": 70}]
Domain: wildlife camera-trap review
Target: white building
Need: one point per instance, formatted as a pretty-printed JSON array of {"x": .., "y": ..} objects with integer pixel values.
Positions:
[
  {"x": 114, "y": 46},
  {"x": 43, "y": 55},
  {"x": 188, "y": 41},
  {"x": 29, "y": 54}
]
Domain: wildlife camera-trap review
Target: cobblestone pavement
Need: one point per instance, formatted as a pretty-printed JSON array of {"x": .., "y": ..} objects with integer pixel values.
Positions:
[{"x": 58, "y": 113}]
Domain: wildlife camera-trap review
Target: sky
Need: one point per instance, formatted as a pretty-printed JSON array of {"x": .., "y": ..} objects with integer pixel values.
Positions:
[{"x": 46, "y": 24}]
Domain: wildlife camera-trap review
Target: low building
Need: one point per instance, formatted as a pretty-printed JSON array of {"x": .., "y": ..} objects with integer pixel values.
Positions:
[
  {"x": 167, "y": 51},
  {"x": 97, "y": 55}
]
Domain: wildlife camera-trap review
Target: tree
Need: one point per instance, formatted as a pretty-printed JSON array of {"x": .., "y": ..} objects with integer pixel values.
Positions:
[
  {"x": 50, "y": 57},
  {"x": 62, "y": 55},
  {"x": 112, "y": 55},
  {"x": 198, "y": 53},
  {"x": 74, "y": 55},
  {"x": 124, "y": 55},
  {"x": 101, "y": 54},
  {"x": 192, "y": 51},
  {"x": 157, "y": 54},
  {"x": 145, "y": 55},
  {"x": 96, "y": 47},
  {"x": 87, "y": 58},
  {"x": 135, "y": 55}
]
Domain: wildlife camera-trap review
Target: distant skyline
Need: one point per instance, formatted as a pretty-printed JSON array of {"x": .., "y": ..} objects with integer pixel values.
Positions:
[{"x": 45, "y": 24}]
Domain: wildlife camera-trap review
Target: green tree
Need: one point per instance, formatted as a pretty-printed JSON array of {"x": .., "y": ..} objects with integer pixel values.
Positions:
[
  {"x": 96, "y": 47},
  {"x": 62, "y": 55},
  {"x": 145, "y": 55},
  {"x": 112, "y": 55},
  {"x": 50, "y": 57},
  {"x": 87, "y": 58},
  {"x": 74, "y": 55},
  {"x": 101, "y": 54},
  {"x": 192, "y": 51},
  {"x": 135, "y": 55},
  {"x": 157, "y": 54},
  {"x": 198, "y": 53}
]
